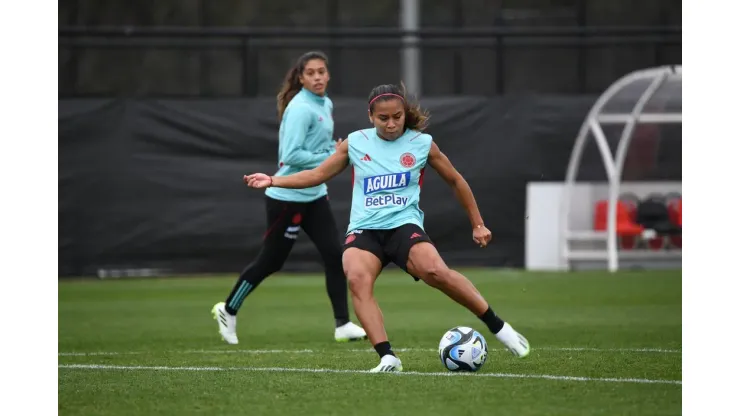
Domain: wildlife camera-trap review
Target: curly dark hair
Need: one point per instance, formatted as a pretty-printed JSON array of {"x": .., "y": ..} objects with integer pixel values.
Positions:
[{"x": 416, "y": 117}]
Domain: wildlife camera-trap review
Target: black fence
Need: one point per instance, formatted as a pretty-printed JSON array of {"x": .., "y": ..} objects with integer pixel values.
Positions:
[
  {"x": 157, "y": 184},
  {"x": 248, "y": 62}
]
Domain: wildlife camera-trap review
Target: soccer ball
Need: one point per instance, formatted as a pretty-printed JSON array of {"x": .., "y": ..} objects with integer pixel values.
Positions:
[{"x": 463, "y": 349}]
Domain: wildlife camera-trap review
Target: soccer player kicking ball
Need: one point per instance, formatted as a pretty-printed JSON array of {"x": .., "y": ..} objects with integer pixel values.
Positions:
[{"x": 386, "y": 224}]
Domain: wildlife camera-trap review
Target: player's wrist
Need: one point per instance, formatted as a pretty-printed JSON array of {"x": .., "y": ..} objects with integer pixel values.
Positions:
[{"x": 272, "y": 182}]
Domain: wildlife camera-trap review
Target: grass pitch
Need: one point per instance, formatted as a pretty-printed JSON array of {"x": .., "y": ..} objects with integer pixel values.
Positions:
[{"x": 601, "y": 345}]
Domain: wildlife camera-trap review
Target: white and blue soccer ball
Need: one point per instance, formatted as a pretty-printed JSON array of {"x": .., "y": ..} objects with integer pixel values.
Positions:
[{"x": 463, "y": 349}]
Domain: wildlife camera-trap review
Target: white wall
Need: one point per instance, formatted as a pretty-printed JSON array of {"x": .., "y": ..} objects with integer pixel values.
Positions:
[
  {"x": 543, "y": 239},
  {"x": 542, "y": 230}
]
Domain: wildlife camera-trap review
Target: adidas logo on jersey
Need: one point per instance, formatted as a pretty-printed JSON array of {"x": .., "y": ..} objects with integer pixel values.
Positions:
[
  {"x": 366, "y": 158},
  {"x": 379, "y": 183}
]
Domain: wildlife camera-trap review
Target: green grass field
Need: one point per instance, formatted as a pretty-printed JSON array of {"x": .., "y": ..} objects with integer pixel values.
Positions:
[{"x": 602, "y": 345}]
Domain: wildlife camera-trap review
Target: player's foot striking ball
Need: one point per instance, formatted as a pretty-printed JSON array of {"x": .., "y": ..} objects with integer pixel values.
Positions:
[{"x": 386, "y": 224}]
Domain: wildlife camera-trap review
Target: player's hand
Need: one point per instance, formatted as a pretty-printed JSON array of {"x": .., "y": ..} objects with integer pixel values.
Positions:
[
  {"x": 338, "y": 143},
  {"x": 258, "y": 180},
  {"x": 481, "y": 235}
]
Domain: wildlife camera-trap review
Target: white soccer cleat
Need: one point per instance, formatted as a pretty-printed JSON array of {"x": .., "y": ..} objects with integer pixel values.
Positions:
[
  {"x": 349, "y": 332},
  {"x": 513, "y": 341},
  {"x": 226, "y": 323},
  {"x": 388, "y": 364}
]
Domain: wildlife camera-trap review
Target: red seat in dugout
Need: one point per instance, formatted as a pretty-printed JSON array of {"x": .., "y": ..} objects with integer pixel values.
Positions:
[
  {"x": 675, "y": 212},
  {"x": 626, "y": 225}
]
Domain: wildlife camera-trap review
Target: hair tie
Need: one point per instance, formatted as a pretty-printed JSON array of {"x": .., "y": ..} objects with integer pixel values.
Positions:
[{"x": 388, "y": 94}]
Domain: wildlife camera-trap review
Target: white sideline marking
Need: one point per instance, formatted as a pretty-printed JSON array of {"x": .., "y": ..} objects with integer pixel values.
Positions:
[
  {"x": 573, "y": 349},
  {"x": 307, "y": 351},
  {"x": 244, "y": 352},
  {"x": 330, "y": 370},
  {"x": 657, "y": 350},
  {"x": 94, "y": 353}
]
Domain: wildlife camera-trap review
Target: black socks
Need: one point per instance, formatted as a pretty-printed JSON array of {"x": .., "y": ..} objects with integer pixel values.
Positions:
[
  {"x": 336, "y": 288},
  {"x": 491, "y": 320},
  {"x": 384, "y": 348}
]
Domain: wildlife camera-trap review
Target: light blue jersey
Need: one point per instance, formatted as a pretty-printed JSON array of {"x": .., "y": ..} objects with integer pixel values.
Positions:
[
  {"x": 306, "y": 132},
  {"x": 387, "y": 177}
]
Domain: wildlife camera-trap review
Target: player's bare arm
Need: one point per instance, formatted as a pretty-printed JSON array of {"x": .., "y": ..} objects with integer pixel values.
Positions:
[
  {"x": 330, "y": 168},
  {"x": 440, "y": 163}
]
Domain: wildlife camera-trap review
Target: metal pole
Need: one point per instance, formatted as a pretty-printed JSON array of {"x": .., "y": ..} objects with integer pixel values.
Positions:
[{"x": 410, "y": 53}]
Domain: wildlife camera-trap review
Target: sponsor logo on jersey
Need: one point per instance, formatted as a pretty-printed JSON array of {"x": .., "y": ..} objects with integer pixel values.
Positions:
[
  {"x": 388, "y": 182},
  {"x": 379, "y": 201}
]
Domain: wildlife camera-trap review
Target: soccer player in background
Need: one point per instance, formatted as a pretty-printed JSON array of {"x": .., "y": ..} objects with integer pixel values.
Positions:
[
  {"x": 386, "y": 224},
  {"x": 306, "y": 140}
]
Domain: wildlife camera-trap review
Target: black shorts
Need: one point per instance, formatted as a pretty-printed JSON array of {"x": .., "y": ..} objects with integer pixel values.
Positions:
[{"x": 391, "y": 245}]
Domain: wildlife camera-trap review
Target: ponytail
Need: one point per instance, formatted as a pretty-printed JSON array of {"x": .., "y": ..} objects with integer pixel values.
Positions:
[{"x": 291, "y": 86}]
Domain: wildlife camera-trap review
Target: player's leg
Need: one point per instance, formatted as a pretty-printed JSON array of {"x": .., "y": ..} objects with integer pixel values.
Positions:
[
  {"x": 282, "y": 231},
  {"x": 321, "y": 228},
  {"x": 363, "y": 260},
  {"x": 424, "y": 262}
]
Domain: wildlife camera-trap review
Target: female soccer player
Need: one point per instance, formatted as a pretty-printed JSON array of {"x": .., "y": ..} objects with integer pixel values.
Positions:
[
  {"x": 306, "y": 131},
  {"x": 386, "y": 224}
]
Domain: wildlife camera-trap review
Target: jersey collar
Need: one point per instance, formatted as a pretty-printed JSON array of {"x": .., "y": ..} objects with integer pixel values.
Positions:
[
  {"x": 316, "y": 98},
  {"x": 389, "y": 141}
]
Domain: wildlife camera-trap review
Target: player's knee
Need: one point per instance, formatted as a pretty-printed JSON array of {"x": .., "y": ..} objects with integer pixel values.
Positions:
[
  {"x": 360, "y": 283},
  {"x": 435, "y": 274}
]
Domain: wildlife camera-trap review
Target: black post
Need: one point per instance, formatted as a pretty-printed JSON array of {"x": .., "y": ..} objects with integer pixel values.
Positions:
[
  {"x": 247, "y": 74},
  {"x": 663, "y": 23},
  {"x": 254, "y": 69},
  {"x": 204, "y": 72},
  {"x": 500, "y": 55},
  {"x": 457, "y": 65},
  {"x": 74, "y": 58},
  {"x": 582, "y": 51},
  {"x": 335, "y": 52}
]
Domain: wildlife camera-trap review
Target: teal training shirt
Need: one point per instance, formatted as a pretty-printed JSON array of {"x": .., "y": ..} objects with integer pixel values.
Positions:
[
  {"x": 387, "y": 177},
  {"x": 306, "y": 132}
]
